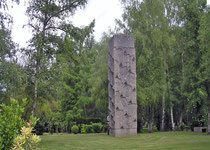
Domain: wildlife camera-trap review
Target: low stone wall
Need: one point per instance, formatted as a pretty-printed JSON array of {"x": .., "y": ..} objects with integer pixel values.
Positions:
[{"x": 200, "y": 129}]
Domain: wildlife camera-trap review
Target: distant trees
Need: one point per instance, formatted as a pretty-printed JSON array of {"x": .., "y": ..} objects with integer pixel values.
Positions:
[
  {"x": 204, "y": 70},
  {"x": 64, "y": 75},
  {"x": 99, "y": 77},
  {"x": 168, "y": 48},
  {"x": 47, "y": 18},
  {"x": 12, "y": 75}
]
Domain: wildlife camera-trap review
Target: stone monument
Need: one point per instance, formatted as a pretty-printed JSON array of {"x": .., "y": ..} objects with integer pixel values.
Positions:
[{"x": 122, "y": 119}]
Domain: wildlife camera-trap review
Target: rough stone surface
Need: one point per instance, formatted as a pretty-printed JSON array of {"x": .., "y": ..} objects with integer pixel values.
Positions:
[
  {"x": 200, "y": 129},
  {"x": 122, "y": 118}
]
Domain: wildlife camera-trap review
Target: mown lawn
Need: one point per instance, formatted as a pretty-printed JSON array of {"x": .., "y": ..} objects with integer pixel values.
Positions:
[{"x": 144, "y": 141}]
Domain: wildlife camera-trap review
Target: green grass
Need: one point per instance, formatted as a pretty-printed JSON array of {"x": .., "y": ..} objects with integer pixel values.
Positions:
[{"x": 144, "y": 141}]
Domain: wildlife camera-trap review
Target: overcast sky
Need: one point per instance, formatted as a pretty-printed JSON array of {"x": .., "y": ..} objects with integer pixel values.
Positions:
[{"x": 103, "y": 11}]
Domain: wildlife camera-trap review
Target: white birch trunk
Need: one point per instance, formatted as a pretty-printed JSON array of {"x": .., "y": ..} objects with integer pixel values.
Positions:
[
  {"x": 162, "y": 127},
  {"x": 172, "y": 119}
]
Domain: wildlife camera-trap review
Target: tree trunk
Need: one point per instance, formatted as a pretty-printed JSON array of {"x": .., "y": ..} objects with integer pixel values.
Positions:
[
  {"x": 38, "y": 65},
  {"x": 207, "y": 86},
  {"x": 169, "y": 95},
  {"x": 182, "y": 95},
  {"x": 162, "y": 127},
  {"x": 180, "y": 120},
  {"x": 150, "y": 122},
  {"x": 150, "y": 126},
  {"x": 209, "y": 123},
  {"x": 35, "y": 96},
  {"x": 56, "y": 129},
  {"x": 172, "y": 119}
]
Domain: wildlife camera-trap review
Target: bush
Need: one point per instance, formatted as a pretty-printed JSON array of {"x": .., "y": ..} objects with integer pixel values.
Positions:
[
  {"x": 87, "y": 128},
  {"x": 87, "y": 120},
  {"x": 83, "y": 129},
  {"x": 75, "y": 129},
  {"x": 51, "y": 131},
  {"x": 39, "y": 128},
  {"x": 10, "y": 123},
  {"x": 187, "y": 128},
  {"x": 182, "y": 127},
  {"x": 26, "y": 140},
  {"x": 97, "y": 127}
]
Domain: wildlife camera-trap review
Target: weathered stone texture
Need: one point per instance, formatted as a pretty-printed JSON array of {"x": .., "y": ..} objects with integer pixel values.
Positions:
[
  {"x": 122, "y": 86},
  {"x": 200, "y": 129}
]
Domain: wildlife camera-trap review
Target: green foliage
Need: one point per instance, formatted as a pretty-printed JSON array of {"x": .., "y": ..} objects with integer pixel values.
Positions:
[
  {"x": 99, "y": 77},
  {"x": 182, "y": 127},
  {"x": 86, "y": 128},
  {"x": 39, "y": 128},
  {"x": 172, "y": 56},
  {"x": 75, "y": 129},
  {"x": 147, "y": 22},
  {"x": 51, "y": 131},
  {"x": 26, "y": 140},
  {"x": 87, "y": 120},
  {"x": 196, "y": 123},
  {"x": 204, "y": 71},
  {"x": 91, "y": 128},
  {"x": 97, "y": 127},
  {"x": 12, "y": 75},
  {"x": 54, "y": 49},
  {"x": 10, "y": 122},
  {"x": 172, "y": 63}
]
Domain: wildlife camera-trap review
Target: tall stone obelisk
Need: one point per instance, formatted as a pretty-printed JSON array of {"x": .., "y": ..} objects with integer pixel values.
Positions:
[{"x": 122, "y": 119}]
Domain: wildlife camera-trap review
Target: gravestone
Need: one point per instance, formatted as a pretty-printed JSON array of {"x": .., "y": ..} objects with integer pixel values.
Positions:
[{"x": 122, "y": 119}]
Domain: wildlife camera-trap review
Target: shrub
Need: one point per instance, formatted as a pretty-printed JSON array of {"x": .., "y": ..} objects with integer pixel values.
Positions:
[
  {"x": 39, "y": 128},
  {"x": 182, "y": 127},
  {"x": 26, "y": 140},
  {"x": 87, "y": 128},
  {"x": 75, "y": 129},
  {"x": 87, "y": 120},
  {"x": 155, "y": 129},
  {"x": 83, "y": 129},
  {"x": 187, "y": 128},
  {"x": 10, "y": 123},
  {"x": 97, "y": 127},
  {"x": 51, "y": 131}
]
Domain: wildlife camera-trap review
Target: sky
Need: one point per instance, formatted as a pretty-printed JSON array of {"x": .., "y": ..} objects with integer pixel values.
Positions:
[{"x": 103, "y": 11}]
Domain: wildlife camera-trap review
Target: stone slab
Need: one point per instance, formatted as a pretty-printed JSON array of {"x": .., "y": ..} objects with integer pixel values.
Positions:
[{"x": 200, "y": 129}]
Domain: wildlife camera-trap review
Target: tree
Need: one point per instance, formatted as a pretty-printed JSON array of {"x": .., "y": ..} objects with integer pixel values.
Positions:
[
  {"x": 46, "y": 18},
  {"x": 191, "y": 14},
  {"x": 99, "y": 77},
  {"x": 12, "y": 75},
  {"x": 146, "y": 21},
  {"x": 204, "y": 71}
]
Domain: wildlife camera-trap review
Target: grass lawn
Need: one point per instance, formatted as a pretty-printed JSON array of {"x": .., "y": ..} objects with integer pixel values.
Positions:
[{"x": 144, "y": 141}]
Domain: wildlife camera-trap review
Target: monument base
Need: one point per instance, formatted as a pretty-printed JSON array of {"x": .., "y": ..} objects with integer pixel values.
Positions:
[{"x": 122, "y": 132}]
